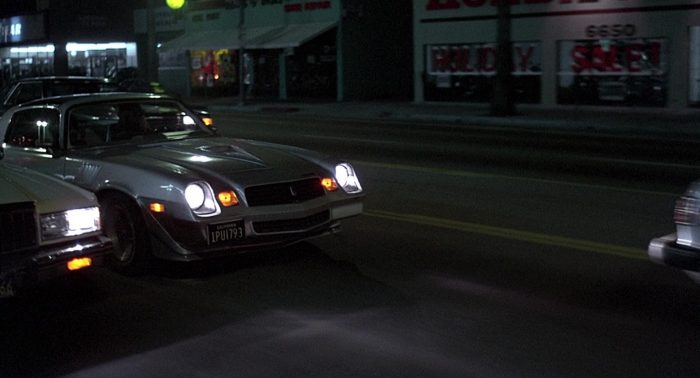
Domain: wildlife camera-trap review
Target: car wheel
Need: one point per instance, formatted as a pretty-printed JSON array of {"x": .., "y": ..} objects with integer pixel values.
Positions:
[{"x": 125, "y": 226}]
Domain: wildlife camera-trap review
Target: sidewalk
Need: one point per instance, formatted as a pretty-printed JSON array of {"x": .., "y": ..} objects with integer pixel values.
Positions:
[{"x": 671, "y": 124}]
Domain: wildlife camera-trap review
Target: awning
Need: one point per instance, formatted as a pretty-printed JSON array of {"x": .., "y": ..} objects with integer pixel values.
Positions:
[
  {"x": 292, "y": 35},
  {"x": 270, "y": 37}
]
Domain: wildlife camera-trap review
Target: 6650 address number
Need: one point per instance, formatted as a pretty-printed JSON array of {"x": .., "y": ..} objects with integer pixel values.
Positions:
[{"x": 614, "y": 30}]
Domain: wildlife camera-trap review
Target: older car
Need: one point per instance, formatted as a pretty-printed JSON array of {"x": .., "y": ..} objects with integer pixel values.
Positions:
[
  {"x": 47, "y": 228},
  {"x": 171, "y": 187},
  {"x": 682, "y": 248},
  {"x": 32, "y": 88}
]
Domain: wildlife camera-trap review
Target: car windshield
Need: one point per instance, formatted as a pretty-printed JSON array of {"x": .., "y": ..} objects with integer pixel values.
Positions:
[{"x": 106, "y": 123}]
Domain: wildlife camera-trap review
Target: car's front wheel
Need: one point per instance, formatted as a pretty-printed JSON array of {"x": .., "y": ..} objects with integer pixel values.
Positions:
[{"x": 124, "y": 224}]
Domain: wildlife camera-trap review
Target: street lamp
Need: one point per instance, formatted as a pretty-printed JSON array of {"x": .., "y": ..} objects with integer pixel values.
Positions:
[{"x": 175, "y": 4}]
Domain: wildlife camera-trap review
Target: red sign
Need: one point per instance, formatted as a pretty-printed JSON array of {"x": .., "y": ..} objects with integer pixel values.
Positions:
[
  {"x": 480, "y": 59},
  {"x": 456, "y": 4},
  {"x": 636, "y": 56},
  {"x": 310, "y": 6}
]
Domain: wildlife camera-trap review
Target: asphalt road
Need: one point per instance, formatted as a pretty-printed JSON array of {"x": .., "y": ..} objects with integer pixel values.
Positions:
[{"x": 480, "y": 253}]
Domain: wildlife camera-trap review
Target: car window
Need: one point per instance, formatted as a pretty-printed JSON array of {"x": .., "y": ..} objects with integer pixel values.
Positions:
[
  {"x": 4, "y": 92},
  {"x": 33, "y": 128},
  {"x": 117, "y": 122},
  {"x": 91, "y": 125},
  {"x": 26, "y": 92}
]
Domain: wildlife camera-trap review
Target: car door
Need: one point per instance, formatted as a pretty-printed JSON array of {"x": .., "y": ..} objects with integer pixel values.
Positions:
[{"x": 32, "y": 139}]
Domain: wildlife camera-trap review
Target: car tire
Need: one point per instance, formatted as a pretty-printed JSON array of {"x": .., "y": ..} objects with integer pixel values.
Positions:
[{"x": 124, "y": 224}]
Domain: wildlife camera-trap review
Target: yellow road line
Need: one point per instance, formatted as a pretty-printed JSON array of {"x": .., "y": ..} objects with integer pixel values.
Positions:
[
  {"x": 456, "y": 173},
  {"x": 512, "y": 234}
]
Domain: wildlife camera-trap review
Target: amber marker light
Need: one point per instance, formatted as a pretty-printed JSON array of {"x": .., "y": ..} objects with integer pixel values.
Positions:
[
  {"x": 79, "y": 263},
  {"x": 329, "y": 184},
  {"x": 208, "y": 121},
  {"x": 157, "y": 207},
  {"x": 228, "y": 199}
]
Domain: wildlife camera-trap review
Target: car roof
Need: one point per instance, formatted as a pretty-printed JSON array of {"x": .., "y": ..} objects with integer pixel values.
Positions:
[
  {"x": 86, "y": 98},
  {"x": 63, "y": 78}
]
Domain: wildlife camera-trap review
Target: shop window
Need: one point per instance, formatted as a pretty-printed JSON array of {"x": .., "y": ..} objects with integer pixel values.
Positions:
[
  {"x": 465, "y": 72},
  {"x": 27, "y": 61},
  {"x": 100, "y": 59},
  {"x": 214, "y": 71},
  {"x": 311, "y": 70},
  {"x": 694, "y": 75},
  {"x": 613, "y": 72}
]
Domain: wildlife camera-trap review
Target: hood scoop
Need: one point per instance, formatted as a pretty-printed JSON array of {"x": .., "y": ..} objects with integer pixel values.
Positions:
[{"x": 229, "y": 151}]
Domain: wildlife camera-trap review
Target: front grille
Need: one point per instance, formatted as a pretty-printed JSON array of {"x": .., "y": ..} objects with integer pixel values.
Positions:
[
  {"x": 18, "y": 228},
  {"x": 284, "y": 193},
  {"x": 287, "y": 225}
]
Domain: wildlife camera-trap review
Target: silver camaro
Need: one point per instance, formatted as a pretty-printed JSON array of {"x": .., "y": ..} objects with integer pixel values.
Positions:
[{"x": 169, "y": 186}]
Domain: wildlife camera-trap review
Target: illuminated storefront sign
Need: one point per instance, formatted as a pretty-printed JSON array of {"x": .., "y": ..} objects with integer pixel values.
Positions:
[
  {"x": 480, "y": 59},
  {"x": 630, "y": 71},
  {"x": 464, "y": 72},
  {"x": 22, "y": 29}
]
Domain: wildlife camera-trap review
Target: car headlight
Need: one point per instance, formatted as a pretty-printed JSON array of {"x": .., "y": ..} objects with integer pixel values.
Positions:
[
  {"x": 347, "y": 179},
  {"x": 200, "y": 198},
  {"x": 70, "y": 223}
]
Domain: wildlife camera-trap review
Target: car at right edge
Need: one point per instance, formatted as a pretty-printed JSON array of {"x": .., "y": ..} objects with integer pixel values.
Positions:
[{"x": 682, "y": 248}]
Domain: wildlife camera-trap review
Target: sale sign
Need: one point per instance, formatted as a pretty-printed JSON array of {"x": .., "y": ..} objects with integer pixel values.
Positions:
[{"x": 613, "y": 57}]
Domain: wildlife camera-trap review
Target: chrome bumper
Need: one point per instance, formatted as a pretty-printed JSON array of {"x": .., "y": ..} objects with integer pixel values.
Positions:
[
  {"x": 664, "y": 250},
  {"x": 29, "y": 267}
]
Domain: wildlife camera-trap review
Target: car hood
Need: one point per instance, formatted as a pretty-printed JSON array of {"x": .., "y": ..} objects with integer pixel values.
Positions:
[
  {"x": 19, "y": 184},
  {"x": 220, "y": 156}
]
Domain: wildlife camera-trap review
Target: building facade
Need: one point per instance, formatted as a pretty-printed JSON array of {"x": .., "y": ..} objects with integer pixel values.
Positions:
[
  {"x": 291, "y": 49},
  {"x": 61, "y": 37},
  {"x": 565, "y": 52}
]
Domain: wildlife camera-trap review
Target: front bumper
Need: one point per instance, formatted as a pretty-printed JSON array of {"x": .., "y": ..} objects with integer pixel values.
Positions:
[
  {"x": 47, "y": 262},
  {"x": 666, "y": 251},
  {"x": 273, "y": 228}
]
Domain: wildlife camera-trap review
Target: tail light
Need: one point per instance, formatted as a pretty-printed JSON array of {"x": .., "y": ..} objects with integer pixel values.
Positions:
[{"x": 687, "y": 211}]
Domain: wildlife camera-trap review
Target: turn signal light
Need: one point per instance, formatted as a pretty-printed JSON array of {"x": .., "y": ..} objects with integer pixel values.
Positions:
[
  {"x": 228, "y": 199},
  {"x": 157, "y": 207},
  {"x": 79, "y": 263},
  {"x": 208, "y": 121},
  {"x": 329, "y": 184}
]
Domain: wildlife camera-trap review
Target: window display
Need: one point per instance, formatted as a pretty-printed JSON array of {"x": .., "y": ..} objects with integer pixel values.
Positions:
[
  {"x": 613, "y": 72},
  {"x": 464, "y": 72},
  {"x": 100, "y": 59}
]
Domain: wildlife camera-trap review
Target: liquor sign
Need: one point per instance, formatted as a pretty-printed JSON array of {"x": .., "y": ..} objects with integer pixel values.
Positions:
[{"x": 22, "y": 29}]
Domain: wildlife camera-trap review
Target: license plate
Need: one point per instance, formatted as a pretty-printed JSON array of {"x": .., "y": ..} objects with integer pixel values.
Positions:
[{"x": 220, "y": 233}]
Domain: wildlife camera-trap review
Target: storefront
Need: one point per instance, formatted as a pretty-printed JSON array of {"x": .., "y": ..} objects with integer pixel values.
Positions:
[
  {"x": 290, "y": 50},
  {"x": 593, "y": 52},
  {"x": 63, "y": 40}
]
